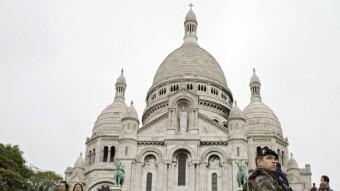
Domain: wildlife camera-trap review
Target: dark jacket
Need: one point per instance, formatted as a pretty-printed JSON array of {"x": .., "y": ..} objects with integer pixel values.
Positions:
[{"x": 282, "y": 179}]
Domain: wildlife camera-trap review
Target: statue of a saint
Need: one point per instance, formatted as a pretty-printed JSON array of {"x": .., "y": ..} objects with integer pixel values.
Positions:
[{"x": 183, "y": 120}]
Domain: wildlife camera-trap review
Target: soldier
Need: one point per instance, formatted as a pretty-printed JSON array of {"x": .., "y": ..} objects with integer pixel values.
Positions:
[{"x": 263, "y": 178}]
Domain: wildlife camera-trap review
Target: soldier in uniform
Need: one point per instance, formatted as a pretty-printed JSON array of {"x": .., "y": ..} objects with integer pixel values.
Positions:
[{"x": 263, "y": 177}]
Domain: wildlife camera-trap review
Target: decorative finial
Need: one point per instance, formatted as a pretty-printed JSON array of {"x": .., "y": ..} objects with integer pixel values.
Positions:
[
  {"x": 291, "y": 155},
  {"x": 81, "y": 154},
  {"x": 254, "y": 70},
  {"x": 131, "y": 103},
  {"x": 191, "y": 5},
  {"x": 235, "y": 103},
  {"x": 122, "y": 71}
]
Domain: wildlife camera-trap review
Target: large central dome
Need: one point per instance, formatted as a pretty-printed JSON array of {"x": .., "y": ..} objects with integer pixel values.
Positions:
[
  {"x": 189, "y": 68},
  {"x": 190, "y": 61}
]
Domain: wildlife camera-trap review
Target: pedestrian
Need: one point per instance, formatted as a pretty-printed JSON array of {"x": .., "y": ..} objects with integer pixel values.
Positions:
[
  {"x": 263, "y": 177},
  {"x": 324, "y": 184},
  {"x": 63, "y": 186},
  {"x": 282, "y": 177},
  {"x": 314, "y": 188},
  {"x": 78, "y": 187}
]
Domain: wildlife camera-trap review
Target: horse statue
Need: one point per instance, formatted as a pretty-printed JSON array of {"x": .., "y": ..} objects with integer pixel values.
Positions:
[
  {"x": 120, "y": 173},
  {"x": 241, "y": 173}
]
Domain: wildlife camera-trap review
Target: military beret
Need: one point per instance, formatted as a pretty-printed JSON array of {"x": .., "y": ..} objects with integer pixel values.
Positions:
[{"x": 265, "y": 151}]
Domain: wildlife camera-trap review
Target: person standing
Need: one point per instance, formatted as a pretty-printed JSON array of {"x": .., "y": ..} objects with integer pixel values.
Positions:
[
  {"x": 263, "y": 177},
  {"x": 78, "y": 187},
  {"x": 324, "y": 184},
  {"x": 282, "y": 177},
  {"x": 63, "y": 186}
]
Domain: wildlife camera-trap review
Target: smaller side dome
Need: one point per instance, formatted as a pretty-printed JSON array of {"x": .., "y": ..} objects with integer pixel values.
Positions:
[
  {"x": 79, "y": 162},
  {"x": 69, "y": 170},
  {"x": 131, "y": 112},
  {"x": 292, "y": 164},
  {"x": 260, "y": 117},
  {"x": 109, "y": 118},
  {"x": 236, "y": 113}
]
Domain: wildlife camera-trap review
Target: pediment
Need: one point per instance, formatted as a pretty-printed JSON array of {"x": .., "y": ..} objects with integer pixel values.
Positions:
[
  {"x": 155, "y": 127},
  {"x": 209, "y": 126}
]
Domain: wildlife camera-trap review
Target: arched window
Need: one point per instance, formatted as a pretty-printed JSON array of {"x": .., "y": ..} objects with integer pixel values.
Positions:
[
  {"x": 181, "y": 169},
  {"x": 94, "y": 156},
  {"x": 90, "y": 158},
  {"x": 214, "y": 182},
  {"x": 112, "y": 153},
  {"x": 105, "y": 154},
  {"x": 149, "y": 181},
  {"x": 238, "y": 151}
]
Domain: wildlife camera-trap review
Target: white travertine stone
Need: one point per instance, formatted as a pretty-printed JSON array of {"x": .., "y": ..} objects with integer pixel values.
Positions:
[{"x": 213, "y": 134}]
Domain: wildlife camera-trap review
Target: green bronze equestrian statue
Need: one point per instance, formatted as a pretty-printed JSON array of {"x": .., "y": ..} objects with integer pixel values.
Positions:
[
  {"x": 241, "y": 173},
  {"x": 120, "y": 173}
]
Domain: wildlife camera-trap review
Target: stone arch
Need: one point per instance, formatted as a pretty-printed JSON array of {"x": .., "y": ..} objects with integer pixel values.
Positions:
[
  {"x": 179, "y": 148},
  {"x": 186, "y": 95},
  {"x": 214, "y": 151},
  {"x": 146, "y": 151}
]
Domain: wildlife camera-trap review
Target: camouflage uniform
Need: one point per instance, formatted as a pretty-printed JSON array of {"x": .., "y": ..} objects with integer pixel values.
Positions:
[{"x": 262, "y": 180}]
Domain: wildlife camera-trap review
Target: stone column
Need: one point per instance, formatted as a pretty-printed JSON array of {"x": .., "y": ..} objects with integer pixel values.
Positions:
[
  {"x": 190, "y": 117},
  {"x": 133, "y": 171},
  {"x": 170, "y": 116},
  {"x": 195, "y": 118},
  {"x": 138, "y": 177},
  {"x": 196, "y": 177},
  {"x": 160, "y": 177},
  {"x": 194, "y": 121},
  {"x": 172, "y": 166},
  {"x": 166, "y": 185},
  {"x": 203, "y": 176},
  {"x": 172, "y": 123},
  {"x": 225, "y": 177},
  {"x": 192, "y": 176}
]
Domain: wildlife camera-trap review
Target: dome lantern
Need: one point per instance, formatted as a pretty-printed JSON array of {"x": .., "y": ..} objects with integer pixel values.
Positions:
[
  {"x": 190, "y": 26},
  {"x": 255, "y": 87},
  {"x": 120, "y": 87}
]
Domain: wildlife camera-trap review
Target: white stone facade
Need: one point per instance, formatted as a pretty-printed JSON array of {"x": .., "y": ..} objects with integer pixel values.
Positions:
[{"x": 191, "y": 134}]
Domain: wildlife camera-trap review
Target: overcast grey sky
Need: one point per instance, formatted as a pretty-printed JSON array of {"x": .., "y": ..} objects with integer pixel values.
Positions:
[{"x": 59, "y": 61}]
